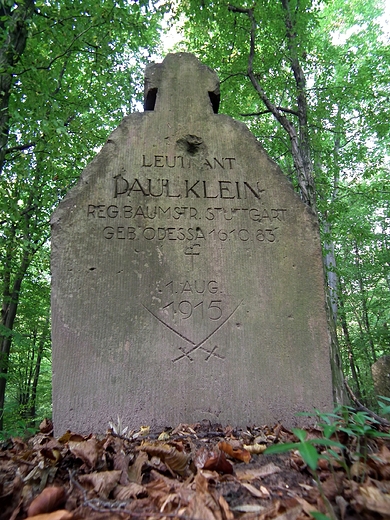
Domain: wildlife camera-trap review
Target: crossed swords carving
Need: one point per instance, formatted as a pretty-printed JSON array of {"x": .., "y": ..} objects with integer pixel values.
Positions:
[{"x": 194, "y": 346}]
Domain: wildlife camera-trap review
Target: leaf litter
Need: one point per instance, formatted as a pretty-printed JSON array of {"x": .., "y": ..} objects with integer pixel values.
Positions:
[{"x": 198, "y": 472}]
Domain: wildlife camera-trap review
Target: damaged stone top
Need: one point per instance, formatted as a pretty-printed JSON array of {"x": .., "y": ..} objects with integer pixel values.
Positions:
[{"x": 181, "y": 84}]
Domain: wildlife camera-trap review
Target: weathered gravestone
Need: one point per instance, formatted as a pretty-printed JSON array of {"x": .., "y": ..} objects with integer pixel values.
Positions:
[{"x": 187, "y": 274}]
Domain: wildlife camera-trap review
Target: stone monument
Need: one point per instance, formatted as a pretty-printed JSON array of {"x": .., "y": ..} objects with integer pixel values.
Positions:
[{"x": 187, "y": 278}]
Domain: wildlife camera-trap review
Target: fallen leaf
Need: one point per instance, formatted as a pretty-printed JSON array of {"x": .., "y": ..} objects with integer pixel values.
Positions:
[
  {"x": 381, "y": 462},
  {"x": 61, "y": 514},
  {"x": 102, "y": 482},
  {"x": 255, "y": 449},
  {"x": 213, "y": 460},
  {"x": 134, "y": 472},
  {"x": 248, "y": 508},
  {"x": 54, "y": 455},
  {"x": 372, "y": 499},
  {"x": 71, "y": 436},
  {"x": 143, "y": 432},
  {"x": 264, "y": 471},
  {"x": 343, "y": 505},
  {"x": 253, "y": 490},
  {"x": 226, "y": 511},
  {"x": 308, "y": 508},
  {"x": 206, "y": 504},
  {"x": 132, "y": 490},
  {"x": 46, "y": 426},
  {"x": 235, "y": 451},
  {"x": 176, "y": 460},
  {"x": 87, "y": 451},
  {"x": 360, "y": 469},
  {"x": 47, "y": 501},
  {"x": 292, "y": 513}
]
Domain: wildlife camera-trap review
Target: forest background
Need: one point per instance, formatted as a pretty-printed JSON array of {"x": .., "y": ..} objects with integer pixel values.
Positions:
[{"x": 311, "y": 79}]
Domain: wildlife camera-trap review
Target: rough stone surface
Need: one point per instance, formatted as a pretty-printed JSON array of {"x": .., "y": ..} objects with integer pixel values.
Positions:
[
  {"x": 381, "y": 375},
  {"x": 187, "y": 278}
]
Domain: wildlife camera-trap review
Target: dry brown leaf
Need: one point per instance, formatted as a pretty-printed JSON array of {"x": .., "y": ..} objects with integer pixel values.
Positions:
[
  {"x": 61, "y": 514},
  {"x": 54, "y": 455},
  {"x": 176, "y": 460},
  {"x": 87, "y": 451},
  {"x": 307, "y": 508},
  {"x": 197, "y": 508},
  {"x": 205, "y": 504},
  {"x": 251, "y": 474},
  {"x": 360, "y": 469},
  {"x": 134, "y": 472},
  {"x": 162, "y": 487},
  {"x": 381, "y": 462},
  {"x": 292, "y": 513},
  {"x": 132, "y": 490},
  {"x": 333, "y": 485},
  {"x": 253, "y": 490},
  {"x": 343, "y": 506},
  {"x": 371, "y": 498},
  {"x": 213, "y": 460},
  {"x": 235, "y": 451},
  {"x": 46, "y": 426},
  {"x": 102, "y": 482},
  {"x": 248, "y": 508},
  {"x": 226, "y": 512},
  {"x": 71, "y": 436},
  {"x": 47, "y": 501},
  {"x": 255, "y": 449}
]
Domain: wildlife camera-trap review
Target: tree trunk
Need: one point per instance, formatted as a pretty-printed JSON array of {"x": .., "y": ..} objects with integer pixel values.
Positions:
[
  {"x": 300, "y": 150},
  {"x": 363, "y": 300},
  {"x": 10, "y": 308},
  {"x": 14, "y": 24},
  {"x": 37, "y": 369},
  {"x": 348, "y": 344}
]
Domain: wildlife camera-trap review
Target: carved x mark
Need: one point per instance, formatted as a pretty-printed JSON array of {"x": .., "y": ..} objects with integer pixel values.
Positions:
[{"x": 195, "y": 346}]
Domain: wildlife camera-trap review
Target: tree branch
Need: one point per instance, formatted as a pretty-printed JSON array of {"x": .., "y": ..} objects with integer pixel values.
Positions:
[
  {"x": 278, "y": 114},
  {"x": 19, "y": 148},
  {"x": 287, "y": 110},
  {"x": 362, "y": 408}
]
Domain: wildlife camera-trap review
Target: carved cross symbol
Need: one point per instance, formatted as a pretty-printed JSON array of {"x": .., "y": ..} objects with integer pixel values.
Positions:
[{"x": 195, "y": 346}]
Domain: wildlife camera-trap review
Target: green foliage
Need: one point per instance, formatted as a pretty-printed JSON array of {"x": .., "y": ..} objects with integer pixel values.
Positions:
[
  {"x": 344, "y": 53},
  {"x": 305, "y": 446},
  {"x": 79, "y": 73},
  {"x": 359, "y": 426}
]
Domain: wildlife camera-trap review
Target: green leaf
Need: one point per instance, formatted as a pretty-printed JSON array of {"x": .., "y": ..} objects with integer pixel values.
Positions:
[
  {"x": 281, "y": 448},
  {"x": 319, "y": 516},
  {"x": 309, "y": 454},
  {"x": 301, "y": 434}
]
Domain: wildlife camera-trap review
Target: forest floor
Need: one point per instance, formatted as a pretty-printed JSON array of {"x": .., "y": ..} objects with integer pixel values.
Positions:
[{"x": 197, "y": 472}]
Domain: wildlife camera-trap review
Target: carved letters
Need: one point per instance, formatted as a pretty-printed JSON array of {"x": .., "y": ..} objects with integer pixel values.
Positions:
[{"x": 151, "y": 209}]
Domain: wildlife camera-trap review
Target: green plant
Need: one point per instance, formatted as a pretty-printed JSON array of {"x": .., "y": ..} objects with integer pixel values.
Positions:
[
  {"x": 359, "y": 426},
  {"x": 308, "y": 451}
]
